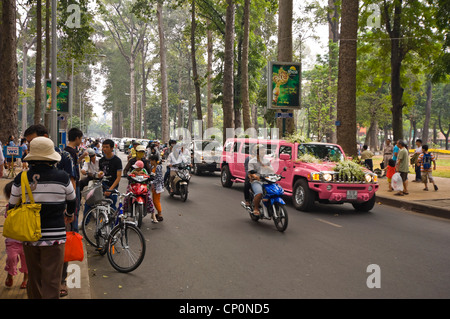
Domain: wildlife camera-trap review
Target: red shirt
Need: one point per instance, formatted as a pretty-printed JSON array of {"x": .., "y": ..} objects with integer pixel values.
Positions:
[{"x": 390, "y": 171}]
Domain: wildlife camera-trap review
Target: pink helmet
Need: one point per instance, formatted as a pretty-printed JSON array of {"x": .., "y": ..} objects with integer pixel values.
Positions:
[{"x": 139, "y": 164}]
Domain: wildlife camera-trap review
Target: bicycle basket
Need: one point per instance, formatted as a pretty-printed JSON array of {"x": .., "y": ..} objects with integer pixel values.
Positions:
[{"x": 94, "y": 195}]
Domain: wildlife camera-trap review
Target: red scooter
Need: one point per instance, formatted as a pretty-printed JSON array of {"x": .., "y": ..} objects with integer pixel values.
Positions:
[{"x": 137, "y": 196}]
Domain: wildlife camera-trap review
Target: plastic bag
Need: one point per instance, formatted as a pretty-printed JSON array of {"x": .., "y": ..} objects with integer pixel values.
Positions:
[
  {"x": 397, "y": 182},
  {"x": 74, "y": 247}
]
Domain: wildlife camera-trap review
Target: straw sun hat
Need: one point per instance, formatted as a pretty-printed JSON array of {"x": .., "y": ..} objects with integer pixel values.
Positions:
[{"x": 42, "y": 149}]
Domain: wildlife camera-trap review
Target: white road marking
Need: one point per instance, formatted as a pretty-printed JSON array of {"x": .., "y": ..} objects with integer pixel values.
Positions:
[{"x": 329, "y": 223}]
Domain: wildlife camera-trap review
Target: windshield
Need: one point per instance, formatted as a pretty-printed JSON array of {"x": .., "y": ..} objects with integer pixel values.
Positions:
[
  {"x": 208, "y": 146},
  {"x": 325, "y": 152}
]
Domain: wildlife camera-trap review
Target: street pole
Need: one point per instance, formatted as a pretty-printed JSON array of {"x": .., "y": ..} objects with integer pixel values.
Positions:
[
  {"x": 54, "y": 112},
  {"x": 71, "y": 94}
]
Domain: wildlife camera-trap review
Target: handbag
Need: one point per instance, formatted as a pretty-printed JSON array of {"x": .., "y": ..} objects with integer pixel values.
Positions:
[
  {"x": 73, "y": 250},
  {"x": 23, "y": 222}
]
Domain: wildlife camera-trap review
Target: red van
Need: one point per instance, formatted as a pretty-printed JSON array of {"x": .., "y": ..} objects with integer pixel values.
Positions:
[{"x": 306, "y": 182}]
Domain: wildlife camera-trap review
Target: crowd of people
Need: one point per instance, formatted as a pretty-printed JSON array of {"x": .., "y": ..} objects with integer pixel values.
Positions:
[
  {"x": 58, "y": 176},
  {"x": 396, "y": 159}
]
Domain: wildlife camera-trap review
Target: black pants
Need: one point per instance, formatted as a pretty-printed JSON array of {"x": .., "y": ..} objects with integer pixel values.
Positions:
[{"x": 247, "y": 187}]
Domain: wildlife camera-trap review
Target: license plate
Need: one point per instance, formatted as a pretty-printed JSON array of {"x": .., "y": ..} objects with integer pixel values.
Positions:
[{"x": 352, "y": 194}]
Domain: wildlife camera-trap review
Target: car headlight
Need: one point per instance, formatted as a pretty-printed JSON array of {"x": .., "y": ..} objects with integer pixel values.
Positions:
[
  {"x": 368, "y": 178},
  {"x": 327, "y": 177}
]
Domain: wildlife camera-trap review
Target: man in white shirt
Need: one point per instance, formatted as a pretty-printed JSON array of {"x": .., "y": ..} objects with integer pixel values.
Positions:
[
  {"x": 179, "y": 155},
  {"x": 414, "y": 160}
]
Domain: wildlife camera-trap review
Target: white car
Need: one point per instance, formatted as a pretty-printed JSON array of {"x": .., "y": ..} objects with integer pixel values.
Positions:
[{"x": 206, "y": 156}]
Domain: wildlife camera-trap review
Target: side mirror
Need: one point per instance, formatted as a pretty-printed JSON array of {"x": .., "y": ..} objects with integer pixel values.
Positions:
[{"x": 285, "y": 157}]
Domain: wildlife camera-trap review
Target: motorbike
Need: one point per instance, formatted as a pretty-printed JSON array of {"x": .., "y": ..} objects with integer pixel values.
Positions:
[
  {"x": 137, "y": 198},
  {"x": 272, "y": 204},
  {"x": 180, "y": 182}
]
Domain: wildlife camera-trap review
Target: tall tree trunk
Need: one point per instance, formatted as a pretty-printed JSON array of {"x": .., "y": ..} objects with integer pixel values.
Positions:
[
  {"x": 333, "y": 37},
  {"x": 346, "y": 96},
  {"x": 228, "y": 86},
  {"x": 285, "y": 53},
  {"x": 132, "y": 98},
  {"x": 198, "y": 102},
  {"x": 165, "y": 130},
  {"x": 244, "y": 65},
  {"x": 397, "y": 55},
  {"x": 38, "y": 76},
  {"x": 426, "y": 123},
  {"x": 9, "y": 81},
  {"x": 24, "y": 82},
  {"x": 209, "y": 106}
]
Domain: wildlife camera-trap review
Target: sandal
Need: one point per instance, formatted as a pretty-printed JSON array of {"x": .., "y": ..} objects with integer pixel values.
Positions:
[
  {"x": 399, "y": 194},
  {"x": 159, "y": 218},
  {"x": 256, "y": 213},
  {"x": 405, "y": 193},
  {"x": 9, "y": 281},
  {"x": 63, "y": 291},
  {"x": 24, "y": 284},
  {"x": 425, "y": 189}
]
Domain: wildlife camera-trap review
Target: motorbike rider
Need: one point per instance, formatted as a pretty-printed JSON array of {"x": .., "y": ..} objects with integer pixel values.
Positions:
[
  {"x": 140, "y": 170},
  {"x": 247, "y": 184},
  {"x": 257, "y": 166},
  {"x": 140, "y": 156},
  {"x": 176, "y": 157}
]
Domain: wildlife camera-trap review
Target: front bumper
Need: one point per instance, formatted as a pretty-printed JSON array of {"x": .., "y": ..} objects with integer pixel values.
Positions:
[{"x": 342, "y": 192}]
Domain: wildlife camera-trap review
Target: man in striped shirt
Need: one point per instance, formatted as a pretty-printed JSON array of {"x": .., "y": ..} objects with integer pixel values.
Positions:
[{"x": 52, "y": 189}]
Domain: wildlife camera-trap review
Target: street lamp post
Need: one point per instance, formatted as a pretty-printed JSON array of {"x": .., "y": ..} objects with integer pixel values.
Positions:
[{"x": 54, "y": 111}]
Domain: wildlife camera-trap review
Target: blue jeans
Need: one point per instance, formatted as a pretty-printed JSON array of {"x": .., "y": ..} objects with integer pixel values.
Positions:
[
  {"x": 77, "y": 210},
  {"x": 257, "y": 188}
]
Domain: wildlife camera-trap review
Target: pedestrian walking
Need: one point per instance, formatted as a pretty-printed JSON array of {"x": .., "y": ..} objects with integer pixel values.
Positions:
[
  {"x": 390, "y": 171},
  {"x": 23, "y": 145},
  {"x": 52, "y": 189},
  {"x": 14, "y": 251},
  {"x": 414, "y": 159},
  {"x": 402, "y": 166},
  {"x": 388, "y": 151},
  {"x": 425, "y": 159},
  {"x": 366, "y": 156},
  {"x": 157, "y": 186}
]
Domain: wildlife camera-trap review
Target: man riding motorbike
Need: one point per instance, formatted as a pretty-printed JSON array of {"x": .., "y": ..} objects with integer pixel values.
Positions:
[
  {"x": 256, "y": 166},
  {"x": 176, "y": 157}
]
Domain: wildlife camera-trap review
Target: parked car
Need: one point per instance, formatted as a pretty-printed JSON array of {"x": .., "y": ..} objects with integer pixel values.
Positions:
[
  {"x": 206, "y": 156},
  {"x": 122, "y": 142},
  {"x": 306, "y": 182}
]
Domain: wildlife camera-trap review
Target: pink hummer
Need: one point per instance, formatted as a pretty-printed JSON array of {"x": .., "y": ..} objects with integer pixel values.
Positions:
[{"x": 306, "y": 182}]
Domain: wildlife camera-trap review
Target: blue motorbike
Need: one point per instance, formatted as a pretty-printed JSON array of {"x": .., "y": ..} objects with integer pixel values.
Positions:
[{"x": 273, "y": 206}]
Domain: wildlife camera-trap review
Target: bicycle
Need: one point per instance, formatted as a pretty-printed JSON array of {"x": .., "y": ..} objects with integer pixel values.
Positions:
[
  {"x": 97, "y": 221},
  {"x": 113, "y": 234},
  {"x": 126, "y": 246}
]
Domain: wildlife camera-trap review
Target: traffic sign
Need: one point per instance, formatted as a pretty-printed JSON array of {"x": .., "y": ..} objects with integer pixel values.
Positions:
[{"x": 284, "y": 115}]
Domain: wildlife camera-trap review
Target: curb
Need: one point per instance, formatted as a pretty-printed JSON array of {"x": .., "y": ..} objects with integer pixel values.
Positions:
[{"x": 415, "y": 207}]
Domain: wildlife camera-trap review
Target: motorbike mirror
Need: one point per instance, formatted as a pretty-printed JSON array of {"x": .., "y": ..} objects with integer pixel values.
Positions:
[{"x": 285, "y": 169}]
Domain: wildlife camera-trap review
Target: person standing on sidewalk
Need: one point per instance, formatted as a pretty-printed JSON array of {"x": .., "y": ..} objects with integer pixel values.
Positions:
[
  {"x": 425, "y": 159},
  {"x": 414, "y": 159},
  {"x": 402, "y": 166},
  {"x": 52, "y": 189},
  {"x": 388, "y": 151}
]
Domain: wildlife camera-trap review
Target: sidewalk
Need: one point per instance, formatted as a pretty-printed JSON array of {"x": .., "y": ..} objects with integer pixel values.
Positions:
[
  {"x": 84, "y": 292},
  {"x": 436, "y": 203}
]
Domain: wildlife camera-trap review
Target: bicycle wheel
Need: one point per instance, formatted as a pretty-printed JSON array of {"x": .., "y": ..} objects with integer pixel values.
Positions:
[
  {"x": 125, "y": 248},
  {"x": 94, "y": 226}
]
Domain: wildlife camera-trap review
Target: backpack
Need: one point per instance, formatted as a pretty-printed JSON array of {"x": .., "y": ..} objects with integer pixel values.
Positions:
[{"x": 426, "y": 160}]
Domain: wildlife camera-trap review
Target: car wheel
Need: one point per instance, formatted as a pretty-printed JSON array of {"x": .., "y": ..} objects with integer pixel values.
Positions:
[
  {"x": 302, "y": 196},
  {"x": 225, "y": 177}
]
